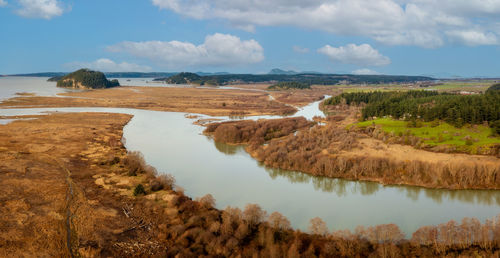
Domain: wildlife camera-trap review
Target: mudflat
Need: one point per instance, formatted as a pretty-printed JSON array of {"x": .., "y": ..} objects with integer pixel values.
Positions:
[{"x": 220, "y": 102}]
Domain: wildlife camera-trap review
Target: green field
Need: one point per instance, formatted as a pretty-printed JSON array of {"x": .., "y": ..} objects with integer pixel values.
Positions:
[
  {"x": 475, "y": 86},
  {"x": 439, "y": 133},
  {"x": 446, "y": 86}
]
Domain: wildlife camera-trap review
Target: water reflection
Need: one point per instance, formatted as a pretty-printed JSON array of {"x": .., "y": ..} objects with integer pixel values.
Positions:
[
  {"x": 330, "y": 185},
  {"x": 226, "y": 148},
  {"x": 342, "y": 187}
]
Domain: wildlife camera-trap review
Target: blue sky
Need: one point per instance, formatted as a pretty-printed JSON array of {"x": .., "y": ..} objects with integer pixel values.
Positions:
[{"x": 413, "y": 37}]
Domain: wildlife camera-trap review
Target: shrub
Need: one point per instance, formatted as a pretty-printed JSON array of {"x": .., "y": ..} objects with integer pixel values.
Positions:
[
  {"x": 495, "y": 127},
  {"x": 468, "y": 140},
  {"x": 161, "y": 182},
  {"x": 139, "y": 189},
  {"x": 207, "y": 201}
]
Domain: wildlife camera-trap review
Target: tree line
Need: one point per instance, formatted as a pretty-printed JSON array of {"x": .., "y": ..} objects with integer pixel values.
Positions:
[
  {"x": 426, "y": 105},
  {"x": 255, "y": 132},
  {"x": 192, "y": 228}
]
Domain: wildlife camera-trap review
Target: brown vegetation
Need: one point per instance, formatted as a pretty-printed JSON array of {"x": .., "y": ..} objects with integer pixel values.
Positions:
[
  {"x": 294, "y": 97},
  {"x": 45, "y": 158},
  {"x": 192, "y": 100},
  {"x": 339, "y": 153},
  {"x": 303, "y": 97},
  {"x": 255, "y": 132}
]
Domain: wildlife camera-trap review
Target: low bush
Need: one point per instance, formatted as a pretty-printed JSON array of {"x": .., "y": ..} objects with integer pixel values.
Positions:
[{"x": 139, "y": 190}]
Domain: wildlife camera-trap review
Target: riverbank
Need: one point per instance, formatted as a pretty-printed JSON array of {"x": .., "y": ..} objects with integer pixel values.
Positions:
[
  {"x": 335, "y": 152},
  {"x": 67, "y": 190}
]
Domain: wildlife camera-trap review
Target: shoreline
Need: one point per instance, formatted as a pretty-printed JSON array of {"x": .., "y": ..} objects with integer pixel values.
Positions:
[{"x": 381, "y": 157}]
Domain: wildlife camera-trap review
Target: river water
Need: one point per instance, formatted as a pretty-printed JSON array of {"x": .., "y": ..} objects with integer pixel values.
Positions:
[{"x": 172, "y": 144}]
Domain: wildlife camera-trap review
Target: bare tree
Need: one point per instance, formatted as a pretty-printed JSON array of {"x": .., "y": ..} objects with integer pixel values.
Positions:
[
  {"x": 318, "y": 226},
  {"x": 207, "y": 201},
  {"x": 278, "y": 221},
  {"x": 253, "y": 214}
]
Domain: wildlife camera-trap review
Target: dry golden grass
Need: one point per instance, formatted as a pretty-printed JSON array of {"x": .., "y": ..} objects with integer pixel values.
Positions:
[{"x": 193, "y": 100}]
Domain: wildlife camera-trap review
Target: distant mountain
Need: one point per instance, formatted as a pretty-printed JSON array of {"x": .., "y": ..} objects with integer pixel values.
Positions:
[
  {"x": 46, "y": 74},
  {"x": 290, "y": 72},
  {"x": 139, "y": 75},
  {"x": 207, "y": 74},
  {"x": 183, "y": 78},
  {"x": 110, "y": 74},
  {"x": 279, "y": 71},
  {"x": 309, "y": 78}
]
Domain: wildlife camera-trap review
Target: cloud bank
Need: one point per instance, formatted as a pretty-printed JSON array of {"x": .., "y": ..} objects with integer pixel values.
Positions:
[
  {"x": 217, "y": 50},
  {"x": 424, "y": 23},
  {"x": 362, "y": 55}
]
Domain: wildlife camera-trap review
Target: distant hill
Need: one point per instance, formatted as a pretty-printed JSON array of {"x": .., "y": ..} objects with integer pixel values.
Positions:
[
  {"x": 225, "y": 79},
  {"x": 207, "y": 74},
  {"x": 138, "y": 75},
  {"x": 86, "y": 79},
  {"x": 46, "y": 74},
  {"x": 109, "y": 75},
  {"x": 279, "y": 71},
  {"x": 309, "y": 78},
  {"x": 290, "y": 72},
  {"x": 184, "y": 78}
]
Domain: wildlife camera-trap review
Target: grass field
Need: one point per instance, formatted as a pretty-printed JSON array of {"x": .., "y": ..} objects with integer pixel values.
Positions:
[
  {"x": 446, "y": 86},
  {"x": 434, "y": 133},
  {"x": 475, "y": 86}
]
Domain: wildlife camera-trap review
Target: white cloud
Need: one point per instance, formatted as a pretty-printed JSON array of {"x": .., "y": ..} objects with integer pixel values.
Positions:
[
  {"x": 46, "y": 9},
  {"x": 3, "y": 3},
  {"x": 365, "y": 71},
  {"x": 107, "y": 65},
  {"x": 362, "y": 55},
  {"x": 397, "y": 22},
  {"x": 301, "y": 50},
  {"x": 472, "y": 38},
  {"x": 218, "y": 50}
]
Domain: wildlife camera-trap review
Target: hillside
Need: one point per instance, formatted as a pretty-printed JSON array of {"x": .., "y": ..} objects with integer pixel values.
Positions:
[
  {"x": 494, "y": 88},
  {"x": 184, "y": 78},
  {"x": 86, "y": 79},
  {"x": 280, "y": 71}
]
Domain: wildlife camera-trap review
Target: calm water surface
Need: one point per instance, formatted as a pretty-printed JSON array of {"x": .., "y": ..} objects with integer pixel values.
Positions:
[
  {"x": 172, "y": 144},
  {"x": 9, "y": 86}
]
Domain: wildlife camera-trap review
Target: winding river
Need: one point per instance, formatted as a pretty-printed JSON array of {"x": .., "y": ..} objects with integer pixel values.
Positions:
[{"x": 173, "y": 144}]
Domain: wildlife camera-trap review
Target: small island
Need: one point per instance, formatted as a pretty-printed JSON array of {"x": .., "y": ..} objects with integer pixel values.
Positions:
[
  {"x": 85, "y": 79},
  {"x": 184, "y": 78}
]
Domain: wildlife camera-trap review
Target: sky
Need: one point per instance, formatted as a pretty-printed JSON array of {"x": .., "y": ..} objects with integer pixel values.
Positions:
[{"x": 439, "y": 38}]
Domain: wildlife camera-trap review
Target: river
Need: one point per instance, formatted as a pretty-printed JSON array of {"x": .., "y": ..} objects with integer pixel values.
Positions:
[{"x": 172, "y": 144}]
